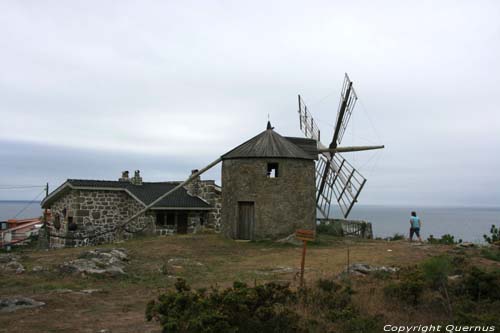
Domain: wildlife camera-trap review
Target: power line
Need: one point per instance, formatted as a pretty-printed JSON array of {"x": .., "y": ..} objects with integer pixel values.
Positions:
[
  {"x": 14, "y": 187},
  {"x": 29, "y": 203}
]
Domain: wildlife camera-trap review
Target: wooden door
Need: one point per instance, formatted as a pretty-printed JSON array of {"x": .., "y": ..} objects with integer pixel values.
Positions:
[
  {"x": 182, "y": 223},
  {"x": 246, "y": 220}
]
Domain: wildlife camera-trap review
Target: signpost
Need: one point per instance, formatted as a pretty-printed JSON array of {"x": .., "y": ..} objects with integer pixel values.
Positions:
[{"x": 305, "y": 236}]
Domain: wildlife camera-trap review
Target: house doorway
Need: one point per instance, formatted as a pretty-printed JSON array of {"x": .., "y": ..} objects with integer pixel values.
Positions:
[
  {"x": 246, "y": 220},
  {"x": 182, "y": 223}
]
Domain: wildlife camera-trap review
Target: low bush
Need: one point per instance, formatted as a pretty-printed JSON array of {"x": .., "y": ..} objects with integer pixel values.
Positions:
[
  {"x": 494, "y": 236},
  {"x": 492, "y": 254},
  {"x": 409, "y": 288},
  {"x": 446, "y": 239},
  {"x": 396, "y": 237},
  {"x": 263, "y": 308},
  {"x": 480, "y": 285},
  {"x": 332, "y": 229}
]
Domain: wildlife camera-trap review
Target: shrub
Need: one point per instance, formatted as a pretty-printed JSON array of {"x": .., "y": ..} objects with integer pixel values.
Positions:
[
  {"x": 396, "y": 237},
  {"x": 492, "y": 254},
  {"x": 481, "y": 285},
  {"x": 263, "y": 308},
  {"x": 332, "y": 229},
  {"x": 446, "y": 239},
  {"x": 436, "y": 270},
  {"x": 241, "y": 308},
  {"x": 494, "y": 236},
  {"x": 409, "y": 289}
]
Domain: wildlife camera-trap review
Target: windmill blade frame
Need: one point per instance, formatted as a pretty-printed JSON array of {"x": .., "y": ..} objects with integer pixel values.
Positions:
[
  {"x": 347, "y": 184},
  {"x": 342, "y": 180},
  {"x": 348, "y": 99},
  {"x": 335, "y": 176},
  {"x": 307, "y": 124}
]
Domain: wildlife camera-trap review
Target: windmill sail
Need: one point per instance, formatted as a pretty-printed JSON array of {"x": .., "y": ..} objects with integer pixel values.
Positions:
[
  {"x": 349, "y": 98},
  {"x": 307, "y": 124},
  {"x": 335, "y": 177},
  {"x": 342, "y": 181}
]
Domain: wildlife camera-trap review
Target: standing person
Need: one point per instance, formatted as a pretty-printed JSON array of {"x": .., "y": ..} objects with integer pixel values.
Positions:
[{"x": 415, "y": 225}]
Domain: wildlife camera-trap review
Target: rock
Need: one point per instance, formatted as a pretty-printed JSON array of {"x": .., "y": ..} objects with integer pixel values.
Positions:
[
  {"x": 7, "y": 257},
  {"x": 37, "y": 269},
  {"x": 17, "y": 303},
  {"x": 9, "y": 263},
  {"x": 91, "y": 291},
  {"x": 290, "y": 240},
  {"x": 99, "y": 261},
  {"x": 63, "y": 291},
  {"x": 365, "y": 269},
  {"x": 454, "y": 277},
  {"x": 466, "y": 245},
  {"x": 278, "y": 270}
]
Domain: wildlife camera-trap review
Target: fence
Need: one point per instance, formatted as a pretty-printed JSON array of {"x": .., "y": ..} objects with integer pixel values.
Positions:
[{"x": 345, "y": 228}]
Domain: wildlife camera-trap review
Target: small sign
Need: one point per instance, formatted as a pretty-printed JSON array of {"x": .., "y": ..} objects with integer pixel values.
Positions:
[{"x": 305, "y": 235}]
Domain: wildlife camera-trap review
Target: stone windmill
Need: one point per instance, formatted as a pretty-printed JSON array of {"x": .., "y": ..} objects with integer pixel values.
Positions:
[
  {"x": 272, "y": 184},
  {"x": 335, "y": 176}
]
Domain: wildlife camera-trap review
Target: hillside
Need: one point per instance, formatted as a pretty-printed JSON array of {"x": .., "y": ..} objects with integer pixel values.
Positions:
[{"x": 88, "y": 303}]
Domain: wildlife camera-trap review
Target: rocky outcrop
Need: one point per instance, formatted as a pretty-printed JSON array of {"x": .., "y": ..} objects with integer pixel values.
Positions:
[
  {"x": 9, "y": 263},
  {"x": 365, "y": 269},
  {"x": 16, "y": 303},
  {"x": 110, "y": 262}
]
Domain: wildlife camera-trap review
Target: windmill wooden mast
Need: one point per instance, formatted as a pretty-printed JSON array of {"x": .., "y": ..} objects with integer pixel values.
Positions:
[{"x": 334, "y": 175}]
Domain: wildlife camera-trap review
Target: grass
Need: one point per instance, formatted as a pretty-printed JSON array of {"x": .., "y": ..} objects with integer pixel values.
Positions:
[{"x": 222, "y": 261}]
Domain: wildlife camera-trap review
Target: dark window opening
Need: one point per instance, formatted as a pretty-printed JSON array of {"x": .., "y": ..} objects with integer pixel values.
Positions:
[
  {"x": 165, "y": 219},
  {"x": 170, "y": 219},
  {"x": 272, "y": 170},
  {"x": 57, "y": 221},
  {"x": 71, "y": 225}
]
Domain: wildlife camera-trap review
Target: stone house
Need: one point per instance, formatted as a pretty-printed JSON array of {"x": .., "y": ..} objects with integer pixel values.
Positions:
[
  {"x": 88, "y": 212},
  {"x": 269, "y": 187}
]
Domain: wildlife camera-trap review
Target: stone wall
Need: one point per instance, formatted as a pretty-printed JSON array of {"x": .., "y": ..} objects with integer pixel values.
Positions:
[
  {"x": 210, "y": 192},
  {"x": 95, "y": 214},
  {"x": 281, "y": 204}
]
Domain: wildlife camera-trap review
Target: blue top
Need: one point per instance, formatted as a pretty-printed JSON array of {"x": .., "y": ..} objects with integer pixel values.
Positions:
[{"x": 415, "y": 221}]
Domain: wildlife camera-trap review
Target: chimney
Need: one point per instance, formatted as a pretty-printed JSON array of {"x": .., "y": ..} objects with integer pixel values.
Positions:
[
  {"x": 137, "y": 179},
  {"x": 124, "y": 177},
  {"x": 193, "y": 187}
]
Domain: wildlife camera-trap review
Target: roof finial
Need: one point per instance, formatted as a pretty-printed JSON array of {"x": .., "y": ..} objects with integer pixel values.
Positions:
[{"x": 269, "y": 127}]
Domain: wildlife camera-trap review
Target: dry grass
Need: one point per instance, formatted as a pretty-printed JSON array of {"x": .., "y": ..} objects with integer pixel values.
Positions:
[{"x": 120, "y": 306}]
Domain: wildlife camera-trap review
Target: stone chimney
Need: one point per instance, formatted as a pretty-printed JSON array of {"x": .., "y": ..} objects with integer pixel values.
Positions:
[
  {"x": 137, "y": 179},
  {"x": 193, "y": 187},
  {"x": 124, "y": 177}
]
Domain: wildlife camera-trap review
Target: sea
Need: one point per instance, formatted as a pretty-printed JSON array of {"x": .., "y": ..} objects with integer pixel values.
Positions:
[{"x": 466, "y": 223}]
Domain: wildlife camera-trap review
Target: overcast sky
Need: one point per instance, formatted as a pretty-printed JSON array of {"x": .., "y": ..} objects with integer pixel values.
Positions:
[{"x": 91, "y": 88}]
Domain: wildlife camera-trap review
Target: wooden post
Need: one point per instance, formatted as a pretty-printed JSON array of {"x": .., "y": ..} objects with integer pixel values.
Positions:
[
  {"x": 304, "y": 236},
  {"x": 304, "y": 247}
]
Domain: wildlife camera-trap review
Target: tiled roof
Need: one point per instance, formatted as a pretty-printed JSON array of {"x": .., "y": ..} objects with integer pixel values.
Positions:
[
  {"x": 272, "y": 145},
  {"x": 146, "y": 192}
]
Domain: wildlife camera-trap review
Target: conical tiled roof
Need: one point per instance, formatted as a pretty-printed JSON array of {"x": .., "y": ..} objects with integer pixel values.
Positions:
[{"x": 268, "y": 144}]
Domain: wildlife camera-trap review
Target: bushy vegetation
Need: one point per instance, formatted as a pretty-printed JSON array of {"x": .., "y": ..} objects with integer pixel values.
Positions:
[
  {"x": 332, "y": 229},
  {"x": 467, "y": 294},
  {"x": 409, "y": 288},
  {"x": 494, "y": 235},
  {"x": 396, "y": 237},
  {"x": 492, "y": 253},
  {"x": 446, "y": 239},
  {"x": 263, "y": 308}
]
